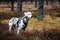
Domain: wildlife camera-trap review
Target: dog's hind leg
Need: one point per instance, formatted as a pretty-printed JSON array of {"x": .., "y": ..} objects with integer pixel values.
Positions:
[
  {"x": 10, "y": 27},
  {"x": 15, "y": 30},
  {"x": 11, "y": 24}
]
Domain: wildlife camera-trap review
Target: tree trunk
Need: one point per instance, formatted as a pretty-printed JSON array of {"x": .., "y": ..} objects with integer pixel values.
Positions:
[
  {"x": 52, "y": 1},
  {"x": 12, "y": 8},
  {"x": 40, "y": 10},
  {"x": 35, "y": 3},
  {"x": 47, "y": 2},
  {"x": 31, "y": 1},
  {"x": 59, "y": 2},
  {"x": 8, "y": 2},
  {"x": 19, "y": 6}
]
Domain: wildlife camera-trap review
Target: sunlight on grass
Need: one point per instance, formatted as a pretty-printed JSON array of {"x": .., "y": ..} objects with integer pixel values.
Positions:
[
  {"x": 34, "y": 23},
  {"x": 55, "y": 21},
  {"x": 4, "y": 21},
  {"x": 5, "y": 9}
]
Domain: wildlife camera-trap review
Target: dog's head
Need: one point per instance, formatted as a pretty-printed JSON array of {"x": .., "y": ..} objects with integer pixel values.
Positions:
[{"x": 28, "y": 14}]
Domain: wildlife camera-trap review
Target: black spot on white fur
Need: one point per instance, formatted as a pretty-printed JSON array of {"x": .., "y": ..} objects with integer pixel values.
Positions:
[{"x": 20, "y": 23}]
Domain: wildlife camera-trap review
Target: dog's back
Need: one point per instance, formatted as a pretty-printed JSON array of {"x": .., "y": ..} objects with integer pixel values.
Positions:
[{"x": 13, "y": 21}]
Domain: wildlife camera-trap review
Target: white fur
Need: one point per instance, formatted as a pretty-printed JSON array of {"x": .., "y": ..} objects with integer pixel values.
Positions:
[
  {"x": 13, "y": 21},
  {"x": 29, "y": 14}
]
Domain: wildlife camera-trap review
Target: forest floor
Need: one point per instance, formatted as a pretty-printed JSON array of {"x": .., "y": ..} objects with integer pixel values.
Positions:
[{"x": 46, "y": 29}]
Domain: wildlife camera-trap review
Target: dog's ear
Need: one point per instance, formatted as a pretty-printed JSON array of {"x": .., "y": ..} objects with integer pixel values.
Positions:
[
  {"x": 27, "y": 13},
  {"x": 24, "y": 13}
]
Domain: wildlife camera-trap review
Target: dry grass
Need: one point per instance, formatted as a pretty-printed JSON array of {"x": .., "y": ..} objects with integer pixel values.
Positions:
[
  {"x": 46, "y": 29},
  {"x": 34, "y": 23}
]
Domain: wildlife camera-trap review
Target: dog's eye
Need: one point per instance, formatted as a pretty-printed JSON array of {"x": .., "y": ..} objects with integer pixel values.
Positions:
[{"x": 28, "y": 14}]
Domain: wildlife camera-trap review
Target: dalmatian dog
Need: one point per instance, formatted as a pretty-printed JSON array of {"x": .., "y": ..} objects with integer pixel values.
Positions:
[{"x": 19, "y": 23}]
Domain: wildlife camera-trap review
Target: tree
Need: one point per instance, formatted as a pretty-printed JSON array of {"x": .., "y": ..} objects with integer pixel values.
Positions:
[
  {"x": 59, "y": 2},
  {"x": 35, "y": 3},
  {"x": 31, "y": 1},
  {"x": 47, "y": 2},
  {"x": 12, "y": 2},
  {"x": 52, "y": 1},
  {"x": 40, "y": 9},
  {"x": 8, "y": 1},
  {"x": 19, "y": 6}
]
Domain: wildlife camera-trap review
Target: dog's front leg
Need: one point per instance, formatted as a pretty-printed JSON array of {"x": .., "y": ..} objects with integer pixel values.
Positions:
[
  {"x": 19, "y": 28},
  {"x": 10, "y": 27}
]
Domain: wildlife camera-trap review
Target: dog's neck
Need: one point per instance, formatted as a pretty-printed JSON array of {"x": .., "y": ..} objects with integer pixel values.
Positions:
[{"x": 25, "y": 19}]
